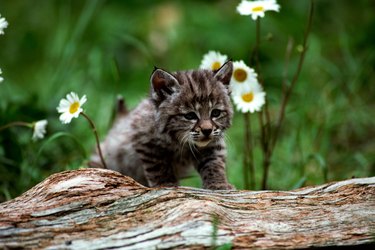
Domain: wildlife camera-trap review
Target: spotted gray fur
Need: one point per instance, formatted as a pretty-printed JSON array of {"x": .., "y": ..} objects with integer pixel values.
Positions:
[{"x": 179, "y": 126}]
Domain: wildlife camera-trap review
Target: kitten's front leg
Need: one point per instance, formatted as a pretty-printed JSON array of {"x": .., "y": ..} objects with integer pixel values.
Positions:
[
  {"x": 160, "y": 174},
  {"x": 211, "y": 168},
  {"x": 156, "y": 164}
]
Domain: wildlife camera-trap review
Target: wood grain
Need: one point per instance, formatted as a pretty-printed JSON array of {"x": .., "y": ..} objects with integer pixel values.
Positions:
[{"x": 101, "y": 209}]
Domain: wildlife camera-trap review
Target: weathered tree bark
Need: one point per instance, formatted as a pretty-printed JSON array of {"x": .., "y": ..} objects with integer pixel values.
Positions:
[{"x": 101, "y": 209}]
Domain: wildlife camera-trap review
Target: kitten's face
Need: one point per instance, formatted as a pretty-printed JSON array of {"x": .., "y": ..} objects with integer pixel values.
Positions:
[
  {"x": 206, "y": 126},
  {"x": 195, "y": 106},
  {"x": 202, "y": 118}
]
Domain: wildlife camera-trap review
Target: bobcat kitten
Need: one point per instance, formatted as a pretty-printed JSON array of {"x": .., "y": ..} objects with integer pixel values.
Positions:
[{"x": 180, "y": 125}]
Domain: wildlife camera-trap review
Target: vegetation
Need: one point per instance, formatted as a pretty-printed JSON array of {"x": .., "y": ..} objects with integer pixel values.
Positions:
[{"x": 104, "y": 48}]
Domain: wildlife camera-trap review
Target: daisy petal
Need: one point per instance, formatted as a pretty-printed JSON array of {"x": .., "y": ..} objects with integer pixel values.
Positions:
[
  {"x": 213, "y": 60},
  {"x": 257, "y": 8},
  {"x": 70, "y": 107},
  {"x": 39, "y": 129}
]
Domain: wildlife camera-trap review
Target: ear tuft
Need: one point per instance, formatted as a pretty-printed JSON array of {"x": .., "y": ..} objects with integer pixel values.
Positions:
[
  {"x": 224, "y": 73},
  {"x": 163, "y": 83}
]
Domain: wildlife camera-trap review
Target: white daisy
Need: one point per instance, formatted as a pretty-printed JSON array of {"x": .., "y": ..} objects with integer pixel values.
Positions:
[
  {"x": 213, "y": 60},
  {"x": 1, "y": 79},
  {"x": 3, "y": 25},
  {"x": 249, "y": 98},
  {"x": 70, "y": 107},
  {"x": 257, "y": 8},
  {"x": 242, "y": 74},
  {"x": 39, "y": 129}
]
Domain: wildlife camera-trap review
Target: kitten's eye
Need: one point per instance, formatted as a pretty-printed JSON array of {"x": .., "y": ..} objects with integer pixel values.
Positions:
[
  {"x": 215, "y": 113},
  {"x": 191, "y": 116}
]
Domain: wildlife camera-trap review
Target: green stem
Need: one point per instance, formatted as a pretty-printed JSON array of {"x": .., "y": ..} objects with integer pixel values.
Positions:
[
  {"x": 245, "y": 172},
  {"x": 18, "y": 123},
  {"x": 249, "y": 150},
  {"x": 248, "y": 159},
  {"x": 264, "y": 114},
  {"x": 295, "y": 78},
  {"x": 254, "y": 59},
  {"x": 96, "y": 137},
  {"x": 287, "y": 93},
  {"x": 245, "y": 155},
  {"x": 266, "y": 167}
]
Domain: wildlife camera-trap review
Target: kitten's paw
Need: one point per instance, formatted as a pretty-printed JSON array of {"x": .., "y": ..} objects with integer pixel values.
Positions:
[{"x": 220, "y": 186}]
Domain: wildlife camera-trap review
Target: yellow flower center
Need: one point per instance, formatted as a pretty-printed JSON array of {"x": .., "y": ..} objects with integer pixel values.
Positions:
[
  {"x": 258, "y": 9},
  {"x": 240, "y": 75},
  {"x": 248, "y": 97},
  {"x": 216, "y": 65},
  {"x": 74, "y": 107}
]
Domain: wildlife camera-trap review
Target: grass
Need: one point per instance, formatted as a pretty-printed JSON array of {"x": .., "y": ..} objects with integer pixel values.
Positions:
[{"x": 106, "y": 48}]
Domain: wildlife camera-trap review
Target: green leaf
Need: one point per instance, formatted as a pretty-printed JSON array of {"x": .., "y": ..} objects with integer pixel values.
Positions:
[
  {"x": 57, "y": 136},
  {"x": 226, "y": 246},
  {"x": 300, "y": 183},
  {"x": 322, "y": 164}
]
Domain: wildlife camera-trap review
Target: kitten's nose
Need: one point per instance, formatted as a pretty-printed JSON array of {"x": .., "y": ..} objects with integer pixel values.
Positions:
[{"x": 207, "y": 131}]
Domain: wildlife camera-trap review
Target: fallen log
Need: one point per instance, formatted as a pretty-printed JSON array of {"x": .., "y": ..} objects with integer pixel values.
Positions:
[{"x": 101, "y": 209}]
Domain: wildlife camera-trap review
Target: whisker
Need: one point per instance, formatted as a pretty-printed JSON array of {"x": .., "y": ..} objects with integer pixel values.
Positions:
[
  {"x": 191, "y": 144},
  {"x": 217, "y": 132},
  {"x": 192, "y": 147},
  {"x": 228, "y": 140},
  {"x": 183, "y": 141}
]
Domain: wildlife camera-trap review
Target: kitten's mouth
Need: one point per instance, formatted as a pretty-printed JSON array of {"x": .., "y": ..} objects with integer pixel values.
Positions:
[{"x": 203, "y": 142}]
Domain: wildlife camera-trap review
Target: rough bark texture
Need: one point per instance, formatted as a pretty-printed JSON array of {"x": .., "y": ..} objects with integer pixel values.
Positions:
[{"x": 101, "y": 209}]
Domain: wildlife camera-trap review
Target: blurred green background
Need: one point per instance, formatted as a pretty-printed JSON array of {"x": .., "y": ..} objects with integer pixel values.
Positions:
[{"x": 106, "y": 48}]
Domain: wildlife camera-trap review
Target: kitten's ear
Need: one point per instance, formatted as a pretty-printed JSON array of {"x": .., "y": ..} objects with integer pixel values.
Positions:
[
  {"x": 163, "y": 83},
  {"x": 224, "y": 73}
]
